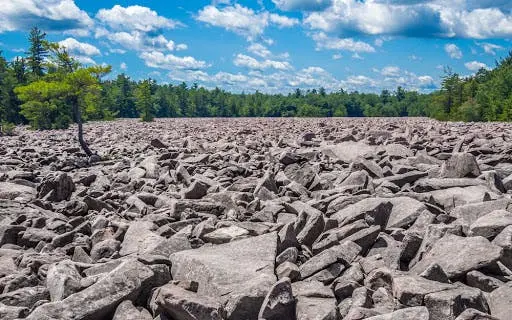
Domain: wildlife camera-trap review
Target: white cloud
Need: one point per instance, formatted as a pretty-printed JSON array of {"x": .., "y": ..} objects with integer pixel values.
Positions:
[
  {"x": 475, "y": 66},
  {"x": 337, "y": 56},
  {"x": 141, "y": 41},
  {"x": 181, "y": 47},
  {"x": 134, "y": 18},
  {"x": 357, "y": 56},
  {"x": 283, "y": 21},
  {"x": 390, "y": 71},
  {"x": 79, "y": 48},
  {"x": 306, "y": 5},
  {"x": 259, "y": 50},
  {"x": 123, "y": 66},
  {"x": 85, "y": 59},
  {"x": 119, "y": 51},
  {"x": 453, "y": 51},
  {"x": 359, "y": 81},
  {"x": 429, "y": 18},
  {"x": 490, "y": 48},
  {"x": 323, "y": 41},
  {"x": 48, "y": 15},
  {"x": 156, "y": 59},
  {"x": 243, "y": 21},
  {"x": 242, "y": 60}
]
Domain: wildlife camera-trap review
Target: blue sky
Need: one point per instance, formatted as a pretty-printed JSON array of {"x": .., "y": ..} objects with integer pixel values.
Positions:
[{"x": 272, "y": 45}]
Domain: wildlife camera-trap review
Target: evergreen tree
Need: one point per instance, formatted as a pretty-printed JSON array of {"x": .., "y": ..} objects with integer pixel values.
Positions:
[
  {"x": 144, "y": 101},
  {"x": 37, "y": 52}
]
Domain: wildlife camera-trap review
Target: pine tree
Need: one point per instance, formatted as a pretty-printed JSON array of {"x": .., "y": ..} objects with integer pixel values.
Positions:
[
  {"x": 144, "y": 101},
  {"x": 37, "y": 52}
]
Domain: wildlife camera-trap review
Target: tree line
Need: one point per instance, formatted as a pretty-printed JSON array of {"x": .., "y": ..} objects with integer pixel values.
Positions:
[{"x": 48, "y": 89}]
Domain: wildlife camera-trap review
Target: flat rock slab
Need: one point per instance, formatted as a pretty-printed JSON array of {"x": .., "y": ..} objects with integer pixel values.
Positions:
[
  {"x": 102, "y": 298},
  {"x": 240, "y": 272},
  {"x": 459, "y": 255}
]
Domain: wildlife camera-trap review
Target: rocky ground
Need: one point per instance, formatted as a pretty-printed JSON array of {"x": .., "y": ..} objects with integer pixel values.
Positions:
[{"x": 308, "y": 219}]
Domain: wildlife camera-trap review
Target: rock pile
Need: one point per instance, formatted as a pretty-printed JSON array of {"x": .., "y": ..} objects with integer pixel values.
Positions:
[{"x": 242, "y": 219}]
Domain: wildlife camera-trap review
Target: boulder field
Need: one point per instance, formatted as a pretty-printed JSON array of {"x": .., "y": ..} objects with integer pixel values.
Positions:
[{"x": 258, "y": 219}]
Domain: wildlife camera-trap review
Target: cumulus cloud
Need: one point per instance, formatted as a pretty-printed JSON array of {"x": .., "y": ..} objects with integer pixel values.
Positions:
[
  {"x": 475, "y": 66},
  {"x": 259, "y": 50},
  {"x": 242, "y": 60},
  {"x": 349, "y": 17},
  {"x": 415, "y": 18},
  {"x": 242, "y": 20},
  {"x": 283, "y": 21},
  {"x": 303, "y": 5},
  {"x": 140, "y": 41},
  {"x": 157, "y": 59},
  {"x": 80, "y": 48},
  {"x": 123, "y": 66},
  {"x": 323, "y": 41},
  {"x": 135, "y": 18},
  {"x": 390, "y": 71},
  {"x": 453, "y": 51},
  {"x": 49, "y": 15}
]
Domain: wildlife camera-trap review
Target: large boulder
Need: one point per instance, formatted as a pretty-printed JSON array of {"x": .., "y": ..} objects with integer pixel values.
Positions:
[
  {"x": 56, "y": 187},
  {"x": 213, "y": 267},
  {"x": 131, "y": 280},
  {"x": 460, "y": 165},
  {"x": 459, "y": 255}
]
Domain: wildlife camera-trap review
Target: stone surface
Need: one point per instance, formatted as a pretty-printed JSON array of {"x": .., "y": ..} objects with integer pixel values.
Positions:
[
  {"x": 390, "y": 218},
  {"x": 213, "y": 268},
  {"x": 459, "y": 255}
]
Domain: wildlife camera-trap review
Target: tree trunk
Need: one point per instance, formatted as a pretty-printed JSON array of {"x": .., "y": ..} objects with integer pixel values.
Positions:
[{"x": 78, "y": 119}]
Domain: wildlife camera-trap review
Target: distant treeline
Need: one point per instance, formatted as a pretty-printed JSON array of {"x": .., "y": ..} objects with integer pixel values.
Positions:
[{"x": 39, "y": 88}]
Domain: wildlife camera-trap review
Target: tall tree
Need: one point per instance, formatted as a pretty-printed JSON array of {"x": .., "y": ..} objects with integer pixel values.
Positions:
[
  {"x": 37, "y": 52},
  {"x": 144, "y": 101}
]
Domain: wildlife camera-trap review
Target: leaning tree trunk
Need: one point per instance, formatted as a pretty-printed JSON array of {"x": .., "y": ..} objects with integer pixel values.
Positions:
[{"x": 78, "y": 119}]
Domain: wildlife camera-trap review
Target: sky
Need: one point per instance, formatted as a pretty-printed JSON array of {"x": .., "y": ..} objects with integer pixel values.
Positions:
[{"x": 273, "y": 46}]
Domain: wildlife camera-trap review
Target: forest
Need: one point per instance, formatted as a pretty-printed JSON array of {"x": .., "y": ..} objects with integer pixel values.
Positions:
[{"x": 48, "y": 89}]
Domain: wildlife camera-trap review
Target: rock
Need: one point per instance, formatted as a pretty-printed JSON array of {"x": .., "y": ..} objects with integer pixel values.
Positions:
[
  {"x": 313, "y": 228},
  {"x": 56, "y": 187},
  {"x": 196, "y": 190},
  {"x": 12, "y": 191},
  {"x": 435, "y": 272},
  {"x": 414, "y": 313},
  {"x": 344, "y": 253},
  {"x": 26, "y": 297},
  {"x": 127, "y": 311},
  {"x": 472, "y": 314},
  {"x": 460, "y": 165},
  {"x": 411, "y": 290},
  {"x": 459, "y": 255},
  {"x": 404, "y": 212},
  {"x": 12, "y": 312},
  {"x": 481, "y": 281},
  {"x": 491, "y": 224},
  {"x": 289, "y": 254},
  {"x": 243, "y": 292},
  {"x": 182, "y": 304},
  {"x": 130, "y": 280},
  {"x": 226, "y": 234},
  {"x": 157, "y": 144},
  {"x": 62, "y": 280},
  {"x": 448, "y": 304},
  {"x": 500, "y": 301},
  {"x": 279, "y": 302},
  {"x": 288, "y": 269}
]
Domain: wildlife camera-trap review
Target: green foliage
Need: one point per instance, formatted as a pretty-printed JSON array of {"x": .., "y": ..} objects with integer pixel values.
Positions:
[
  {"x": 49, "y": 89},
  {"x": 37, "y": 52},
  {"x": 144, "y": 101},
  {"x": 7, "y": 128}
]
